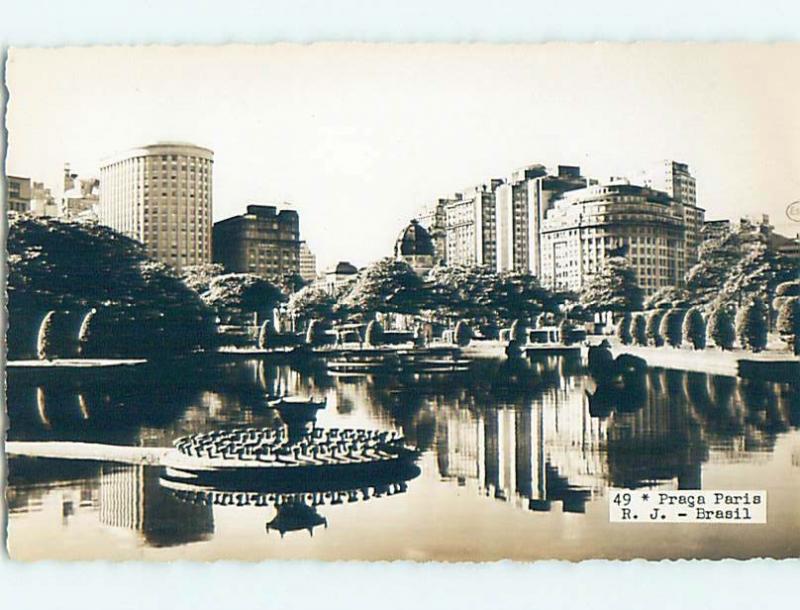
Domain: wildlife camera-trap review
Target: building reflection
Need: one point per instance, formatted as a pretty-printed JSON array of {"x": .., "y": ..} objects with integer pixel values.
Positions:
[
  {"x": 131, "y": 498},
  {"x": 657, "y": 429},
  {"x": 530, "y": 454}
]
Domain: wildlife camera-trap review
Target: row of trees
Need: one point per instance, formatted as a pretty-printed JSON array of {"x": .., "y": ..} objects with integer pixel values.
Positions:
[
  {"x": 675, "y": 326},
  {"x": 489, "y": 301},
  {"x": 483, "y": 299}
]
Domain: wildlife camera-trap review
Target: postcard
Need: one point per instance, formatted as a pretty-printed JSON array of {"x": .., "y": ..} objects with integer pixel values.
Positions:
[{"x": 429, "y": 302}]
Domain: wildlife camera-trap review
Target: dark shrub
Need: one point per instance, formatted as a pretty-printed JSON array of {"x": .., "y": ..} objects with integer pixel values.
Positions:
[
  {"x": 519, "y": 332},
  {"x": 266, "y": 335},
  {"x": 463, "y": 334},
  {"x": 639, "y": 330},
  {"x": 315, "y": 334},
  {"x": 565, "y": 331},
  {"x": 58, "y": 336},
  {"x": 87, "y": 334},
  {"x": 46, "y": 348}
]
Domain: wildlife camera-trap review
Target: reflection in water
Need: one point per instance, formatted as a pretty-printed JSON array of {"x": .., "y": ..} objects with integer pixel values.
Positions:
[
  {"x": 541, "y": 435},
  {"x": 297, "y": 510},
  {"x": 131, "y": 498}
]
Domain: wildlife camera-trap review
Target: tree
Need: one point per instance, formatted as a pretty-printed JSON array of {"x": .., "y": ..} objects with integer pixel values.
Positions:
[
  {"x": 751, "y": 325},
  {"x": 388, "y": 286},
  {"x": 614, "y": 288},
  {"x": 694, "y": 328},
  {"x": 757, "y": 276},
  {"x": 653, "y": 331},
  {"x": 66, "y": 266},
  {"x": 311, "y": 303},
  {"x": 785, "y": 290},
  {"x": 639, "y": 331},
  {"x": 704, "y": 281},
  {"x": 721, "y": 329},
  {"x": 58, "y": 336},
  {"x": 519, "y": 296},
  {"x": 458, "y": 292},
  {"x": 235, "y": 293},
  {"x": 668, "y": 296},
  {"x": 624, "y": 328},
  {"x": 198, "y": 277},
  {"x": 788, "y": 323},
  {"x": 671, "y": 326},
  {"x": 289, "y": 282}
]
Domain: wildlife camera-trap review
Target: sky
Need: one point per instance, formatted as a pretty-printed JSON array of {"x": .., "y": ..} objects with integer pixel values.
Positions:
[{"x": 359, "y": 137}]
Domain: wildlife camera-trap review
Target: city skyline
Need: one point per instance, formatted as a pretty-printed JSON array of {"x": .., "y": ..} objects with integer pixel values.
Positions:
[{"x": 386, "y": 132}]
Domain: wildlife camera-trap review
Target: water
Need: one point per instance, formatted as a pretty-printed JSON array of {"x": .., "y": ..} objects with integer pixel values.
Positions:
[{"x": 516, "y": 463}]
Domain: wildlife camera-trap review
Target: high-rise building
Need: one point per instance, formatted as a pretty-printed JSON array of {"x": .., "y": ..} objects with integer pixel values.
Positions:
[
  {"x": 18, "y": 194},
  {"x": 521, "y": 203},
  {"x": 674, "y": 179},
  {"x": 263, "y": 241},
  {"x": 161, "y": 195},
  {"x": 588, "y": 225},
  {"x": 308, "y": 263},
  {"x": 471, "y": 238}
]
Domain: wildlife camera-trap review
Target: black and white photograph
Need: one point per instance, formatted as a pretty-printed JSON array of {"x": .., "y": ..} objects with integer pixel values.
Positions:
[{"x": 421, "y": 302}]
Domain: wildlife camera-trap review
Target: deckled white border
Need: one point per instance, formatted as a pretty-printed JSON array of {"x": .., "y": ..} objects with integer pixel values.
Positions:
[{"x": 289, "y": 585}]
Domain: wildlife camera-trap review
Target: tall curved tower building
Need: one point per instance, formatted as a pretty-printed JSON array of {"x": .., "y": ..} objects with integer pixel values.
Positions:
[{"x": 161, "y": 195}]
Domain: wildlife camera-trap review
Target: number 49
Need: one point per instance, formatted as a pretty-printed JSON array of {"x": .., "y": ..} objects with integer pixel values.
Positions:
[{"x": 622, "y": 499}]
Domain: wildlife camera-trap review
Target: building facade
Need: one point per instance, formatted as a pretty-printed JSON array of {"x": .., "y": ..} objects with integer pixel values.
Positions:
[
  {"x": 337, "y": 278},
  {"x": 675, "y": 179},
  {"x": 588, "y": 225},
  {"x": 161, "y": 195},
  {"x": 434, "y": 220},
  {"x": 262, "y": 241},
  {"x": 521, "y": 203},
  {"x": 716, "y": 229},
  {"x": 18, "y": 194},
  {"x": 308, "y": 263},
  {"x": 42, "y": 201},
  {"x": 81, "y": 196},
  {"x": 471, "y": 237}
]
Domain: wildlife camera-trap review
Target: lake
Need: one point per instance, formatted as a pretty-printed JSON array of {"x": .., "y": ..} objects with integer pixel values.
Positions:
[{"x": 516, "y": 462}]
